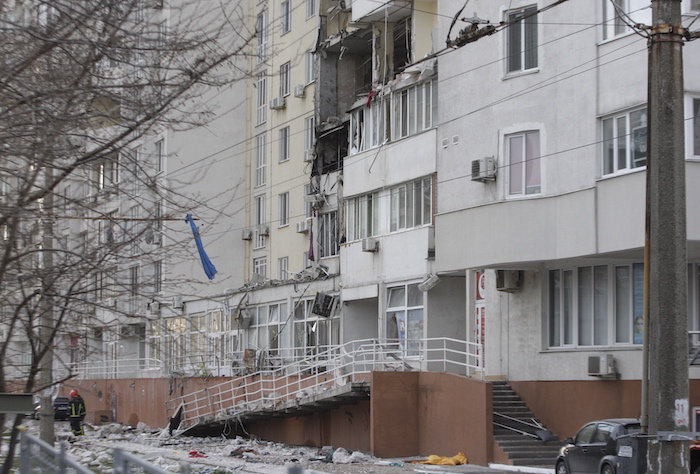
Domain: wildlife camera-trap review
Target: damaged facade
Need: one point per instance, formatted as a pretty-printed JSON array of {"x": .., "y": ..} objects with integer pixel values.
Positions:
[{"x": 487, "y": 198}]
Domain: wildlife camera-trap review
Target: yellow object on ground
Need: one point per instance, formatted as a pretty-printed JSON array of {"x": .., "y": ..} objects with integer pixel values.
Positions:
[{"x": 460, "y": 458}]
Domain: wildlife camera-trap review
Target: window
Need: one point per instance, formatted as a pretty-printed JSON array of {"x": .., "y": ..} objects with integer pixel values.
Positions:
[
  {"x": 284, "y": 209},
  {"x": 411, "y": 205},
  {"x": 309, "y": 136},
  {"x": 404, "y": 318},
  {"x": 259, "y": 221},
  {"x": 696, "y": 127},
  {"x": 260, "y": 160},
  {"x": 133, "y": 289},
  {"x": 261, "y": 31},
  {"x": 157, "y": 276},
  {"x": 523, "y": 151},
  {"x": 265, "y": 328},
  {"x": 631, "y": 11},
  {"x": 310, "y": 67},
  {"x": 596, "y": 306},
  {"x": 328, "y": 234},
  {"x": 105, "y": 174},
  {"x": 624, "y": 142},
  {"x": 261, "y": 99},
  {"x": 285, "y": 80},
  {"x": 283, "y": 268},
  {"x": 368, "y": 126},
  {"x": 311, "y": 8},
  {"x": 159, "y": 156},
  {"x": 313, "y": 333},
  {"x": 308, "y": 205},
  {"x": 260, "y": 266},
  {"x": 522, "y": 39},
  {"x": 691, "y": 6},
  {"x": 284, "y": 142},
  {"x": 414, "y": 109},
  {"x": 135, "y": 171},
  {"x": 286, "y": 16},
  {"x": 362, "y": 214}
]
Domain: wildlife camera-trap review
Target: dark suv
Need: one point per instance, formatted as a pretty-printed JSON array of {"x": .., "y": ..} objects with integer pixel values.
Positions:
[
  {"x": 60, "y": 408},
  {"x": 601, "y": 447}
]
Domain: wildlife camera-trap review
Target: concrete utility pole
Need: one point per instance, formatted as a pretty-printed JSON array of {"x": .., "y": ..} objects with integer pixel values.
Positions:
[{"x": 668, "y": 271}]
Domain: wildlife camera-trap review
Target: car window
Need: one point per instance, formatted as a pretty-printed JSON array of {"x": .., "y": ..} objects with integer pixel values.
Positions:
[
  {"x": 586, "y": 434},
  {"x": 631, "y": 429},
  {"x": 602, "y": 434}
]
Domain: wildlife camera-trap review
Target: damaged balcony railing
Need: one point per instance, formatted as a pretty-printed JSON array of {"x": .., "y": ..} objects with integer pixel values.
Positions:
[
  {"x": 323, "y": 370},
  {"x": 119, "y": 368}
]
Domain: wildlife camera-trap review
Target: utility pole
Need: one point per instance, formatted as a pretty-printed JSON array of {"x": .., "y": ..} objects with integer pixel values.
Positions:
[{"x": 668, "y": 271}]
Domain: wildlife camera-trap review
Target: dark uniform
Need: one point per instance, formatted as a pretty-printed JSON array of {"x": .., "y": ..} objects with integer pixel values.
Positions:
[{"x": 76, "y": 413}]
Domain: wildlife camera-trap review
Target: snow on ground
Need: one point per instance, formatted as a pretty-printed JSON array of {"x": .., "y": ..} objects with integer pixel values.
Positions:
[{"x": 223, "y": 455}]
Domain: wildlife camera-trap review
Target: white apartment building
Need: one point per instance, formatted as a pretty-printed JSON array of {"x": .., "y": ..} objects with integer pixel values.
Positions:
[{"x": 541, "y": 197}]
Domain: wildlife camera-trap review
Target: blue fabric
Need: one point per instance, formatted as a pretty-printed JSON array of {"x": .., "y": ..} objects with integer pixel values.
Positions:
[{"x": 209, "y": 267}]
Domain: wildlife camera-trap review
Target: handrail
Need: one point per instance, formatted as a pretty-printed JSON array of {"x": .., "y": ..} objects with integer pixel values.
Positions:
[{"x": 331, "y": 368}]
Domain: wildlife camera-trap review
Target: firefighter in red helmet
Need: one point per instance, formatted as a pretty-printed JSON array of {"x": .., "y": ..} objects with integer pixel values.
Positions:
[{"x": 76, "y": 412}]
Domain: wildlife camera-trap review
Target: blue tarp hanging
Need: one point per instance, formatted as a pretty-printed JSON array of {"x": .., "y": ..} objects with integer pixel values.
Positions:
[{"x": 209, "y": 267}]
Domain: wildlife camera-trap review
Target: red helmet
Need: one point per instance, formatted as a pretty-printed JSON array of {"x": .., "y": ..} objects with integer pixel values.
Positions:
[{"x": 73, "y": 393}]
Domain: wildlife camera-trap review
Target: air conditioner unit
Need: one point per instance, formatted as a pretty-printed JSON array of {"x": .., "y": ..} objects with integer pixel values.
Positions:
[
  {"x": 308, "y": 156},
  {"x": 246, "y": 234},
  {"x": 303, "y": 226},
  {"x": 324, "y": 305},
  {"x": 508, "y": 280},
  {"x": 264, "y": 230},
  {"x": 243, "y": 320},
  {"x": 154, "y": 307},
  {"x": 177, "y": 302},
  {"x": 484, "y": 169},
  {"x": 370, "y": 245},
  {"x": 601, "y": 365},
  {"x": 277, "y": 103},
  {"x": 152, "y": 237},
  {"x": 300, "y": 91},
  {"x": 112, "y": 302}
]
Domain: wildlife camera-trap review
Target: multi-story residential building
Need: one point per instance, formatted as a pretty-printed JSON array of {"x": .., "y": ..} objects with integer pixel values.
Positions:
[{"x": 486, "y": 223}]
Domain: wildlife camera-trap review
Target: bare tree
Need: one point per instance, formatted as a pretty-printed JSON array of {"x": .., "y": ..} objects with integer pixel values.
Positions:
[{"x": 82, "y": 83}]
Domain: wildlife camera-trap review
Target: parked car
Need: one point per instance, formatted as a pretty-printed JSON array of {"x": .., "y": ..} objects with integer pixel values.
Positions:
[
  {"x": 60, "y": 408},
  {"x": 604, "y": 447}
]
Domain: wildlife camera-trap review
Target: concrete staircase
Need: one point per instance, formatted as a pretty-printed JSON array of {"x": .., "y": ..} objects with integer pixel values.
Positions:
[{"x": 515, "y": 430}]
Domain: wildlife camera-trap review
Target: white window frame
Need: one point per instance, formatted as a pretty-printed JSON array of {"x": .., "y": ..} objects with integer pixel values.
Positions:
[
  {"x": 626, "y": 132},
  {"x": 691, "y": 6},
  {"x": 283, "y": 268},
  {"x": 160, "y": 156},
  {"x": 414, "y": 110},
  {"x": 309, "y": 134},
  {"x": 310, "y": 67},
  {"x": 261, "y": 99},
  {"x": 637, "y": 11},
  {"x": 259, "y": 220},
  {"x": 595, "y": 306},
  {"x": 328, "y": 234},
  {"x": 401, "y": 322},
  {"x": 260, "y": 160},
  {"x": 283, "y": 206},
  {"x": 520, "y": 58},
  {"x": 308, "y": 205},
  {"x": 522, "y": 172},
  {"x": 310, "y": 8},
  {"x": 262, "y": 34},
  {"x": 362, "y": 216},
  {"x": 284, "y": 144},
  {"x": 260, "y": 266},
  {"x": 285, "y": 16},
  {"x": 693, "y": 126},
  {"x": 285, "y": 79},
  {"x": 411, "y": 205}
]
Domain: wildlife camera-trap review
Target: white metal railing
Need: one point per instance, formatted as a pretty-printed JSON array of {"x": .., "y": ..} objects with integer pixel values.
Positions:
[
  {"x": 325, "y": 369},
  {"x": 119, "y": 369}
]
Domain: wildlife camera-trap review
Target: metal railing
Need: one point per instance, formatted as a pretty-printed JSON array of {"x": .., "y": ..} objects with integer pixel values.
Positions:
[
  {"x": 118, "y": 369},
  {"x": 328, "y": 369},
  {"x": 39, "y": 456}
]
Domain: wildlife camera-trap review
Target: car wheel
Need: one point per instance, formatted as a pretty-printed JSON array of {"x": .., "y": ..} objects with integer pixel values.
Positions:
[
  {"x": 561, "y": 468},
  {"x": 607, "y": 469}
]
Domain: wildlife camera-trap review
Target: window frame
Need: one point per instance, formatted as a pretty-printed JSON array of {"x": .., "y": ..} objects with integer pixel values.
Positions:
[
  {"x": 285, "y": 17},
  {"x": 693, "y": 126},
  {"x": 527, "y": 170},
  {"x": 525, "y": 32},
  {"x": 309, "y": 134},
  {"x": 610, "y": 163},
  {"x": 283, "y": 208},
  {"x": 612, "y": 24},
  {"x": 362, "y": 216},
  {"x": 260, "y": 266},
  {"x": 328, "y": 234},
  {"x": 259, "y": 220},
  {"x": 261, "y": 99},
  {"x": 403, "y": 209},
  {"x": 412, "y": 346},
  {"x": 260, "y": 160},
  {"x": 310, "y": 67},
  {"x": 262, "y": 34},
  {"x": 310, "y": 8},
  {"x": 285, "y": 79},
  {"x": 284, "y": 144}
]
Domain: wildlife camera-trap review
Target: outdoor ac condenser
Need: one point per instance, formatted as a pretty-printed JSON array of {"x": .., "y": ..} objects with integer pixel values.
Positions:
[{"x": 601, "y": 365}]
